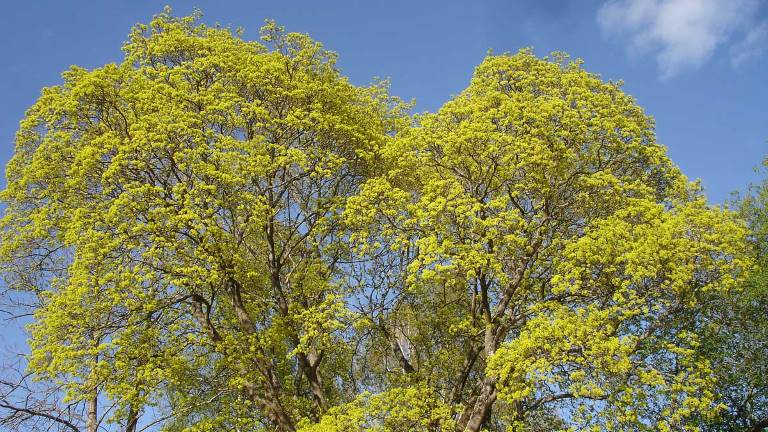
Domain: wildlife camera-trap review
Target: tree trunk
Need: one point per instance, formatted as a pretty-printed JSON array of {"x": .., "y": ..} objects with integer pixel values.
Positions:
[
  {"x": 309, "y": 364},
  {"x": 133, "y": 420},
  {"x": 92, "y": 414},
  {"x": 481, "y": 410},
  {"x": 271, "y": 390}
]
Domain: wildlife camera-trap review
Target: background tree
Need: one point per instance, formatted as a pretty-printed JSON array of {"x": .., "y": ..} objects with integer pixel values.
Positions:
[{"x": 736, "y": 332}]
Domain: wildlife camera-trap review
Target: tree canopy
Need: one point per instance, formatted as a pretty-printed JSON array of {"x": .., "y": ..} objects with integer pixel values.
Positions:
[
  {"x": 229, "y": 235},
  {"x": 735, "y": 336}
]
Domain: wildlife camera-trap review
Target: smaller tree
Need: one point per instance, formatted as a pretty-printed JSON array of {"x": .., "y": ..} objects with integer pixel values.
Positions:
[{"x": 735, "y": 338}]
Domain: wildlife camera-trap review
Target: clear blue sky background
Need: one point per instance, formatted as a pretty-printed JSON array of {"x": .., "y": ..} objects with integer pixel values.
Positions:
[{"x": 712, "y": 115}]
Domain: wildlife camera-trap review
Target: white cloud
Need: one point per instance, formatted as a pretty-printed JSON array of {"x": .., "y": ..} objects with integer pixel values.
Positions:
[
  {"x": 753, "y": 45},
  {"x": 684, "y": 34}
]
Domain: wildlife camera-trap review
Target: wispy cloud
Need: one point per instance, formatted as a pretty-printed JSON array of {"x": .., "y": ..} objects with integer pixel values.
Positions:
[
  {"x": 684, "y": 34},
  {"x": 753, "y": 45}
]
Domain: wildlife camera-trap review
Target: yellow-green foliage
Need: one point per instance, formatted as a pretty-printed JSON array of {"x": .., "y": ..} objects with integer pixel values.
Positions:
[
  {"x": 139, "y": 190},
  {"x": 575, "y": 252},
  {"x": 414, "y": 409},
  {"x": 232, "y": 233}
]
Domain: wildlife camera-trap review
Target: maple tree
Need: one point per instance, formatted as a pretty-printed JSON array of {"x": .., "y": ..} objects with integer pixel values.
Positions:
[{"x": 229, "y": 235}]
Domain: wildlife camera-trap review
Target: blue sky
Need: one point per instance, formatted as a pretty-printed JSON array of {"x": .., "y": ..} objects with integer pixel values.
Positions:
[{"x": 698, "y": 66}]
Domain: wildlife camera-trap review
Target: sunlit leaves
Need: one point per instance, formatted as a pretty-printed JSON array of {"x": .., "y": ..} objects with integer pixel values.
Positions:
[{"x": 232, "y": 234}]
